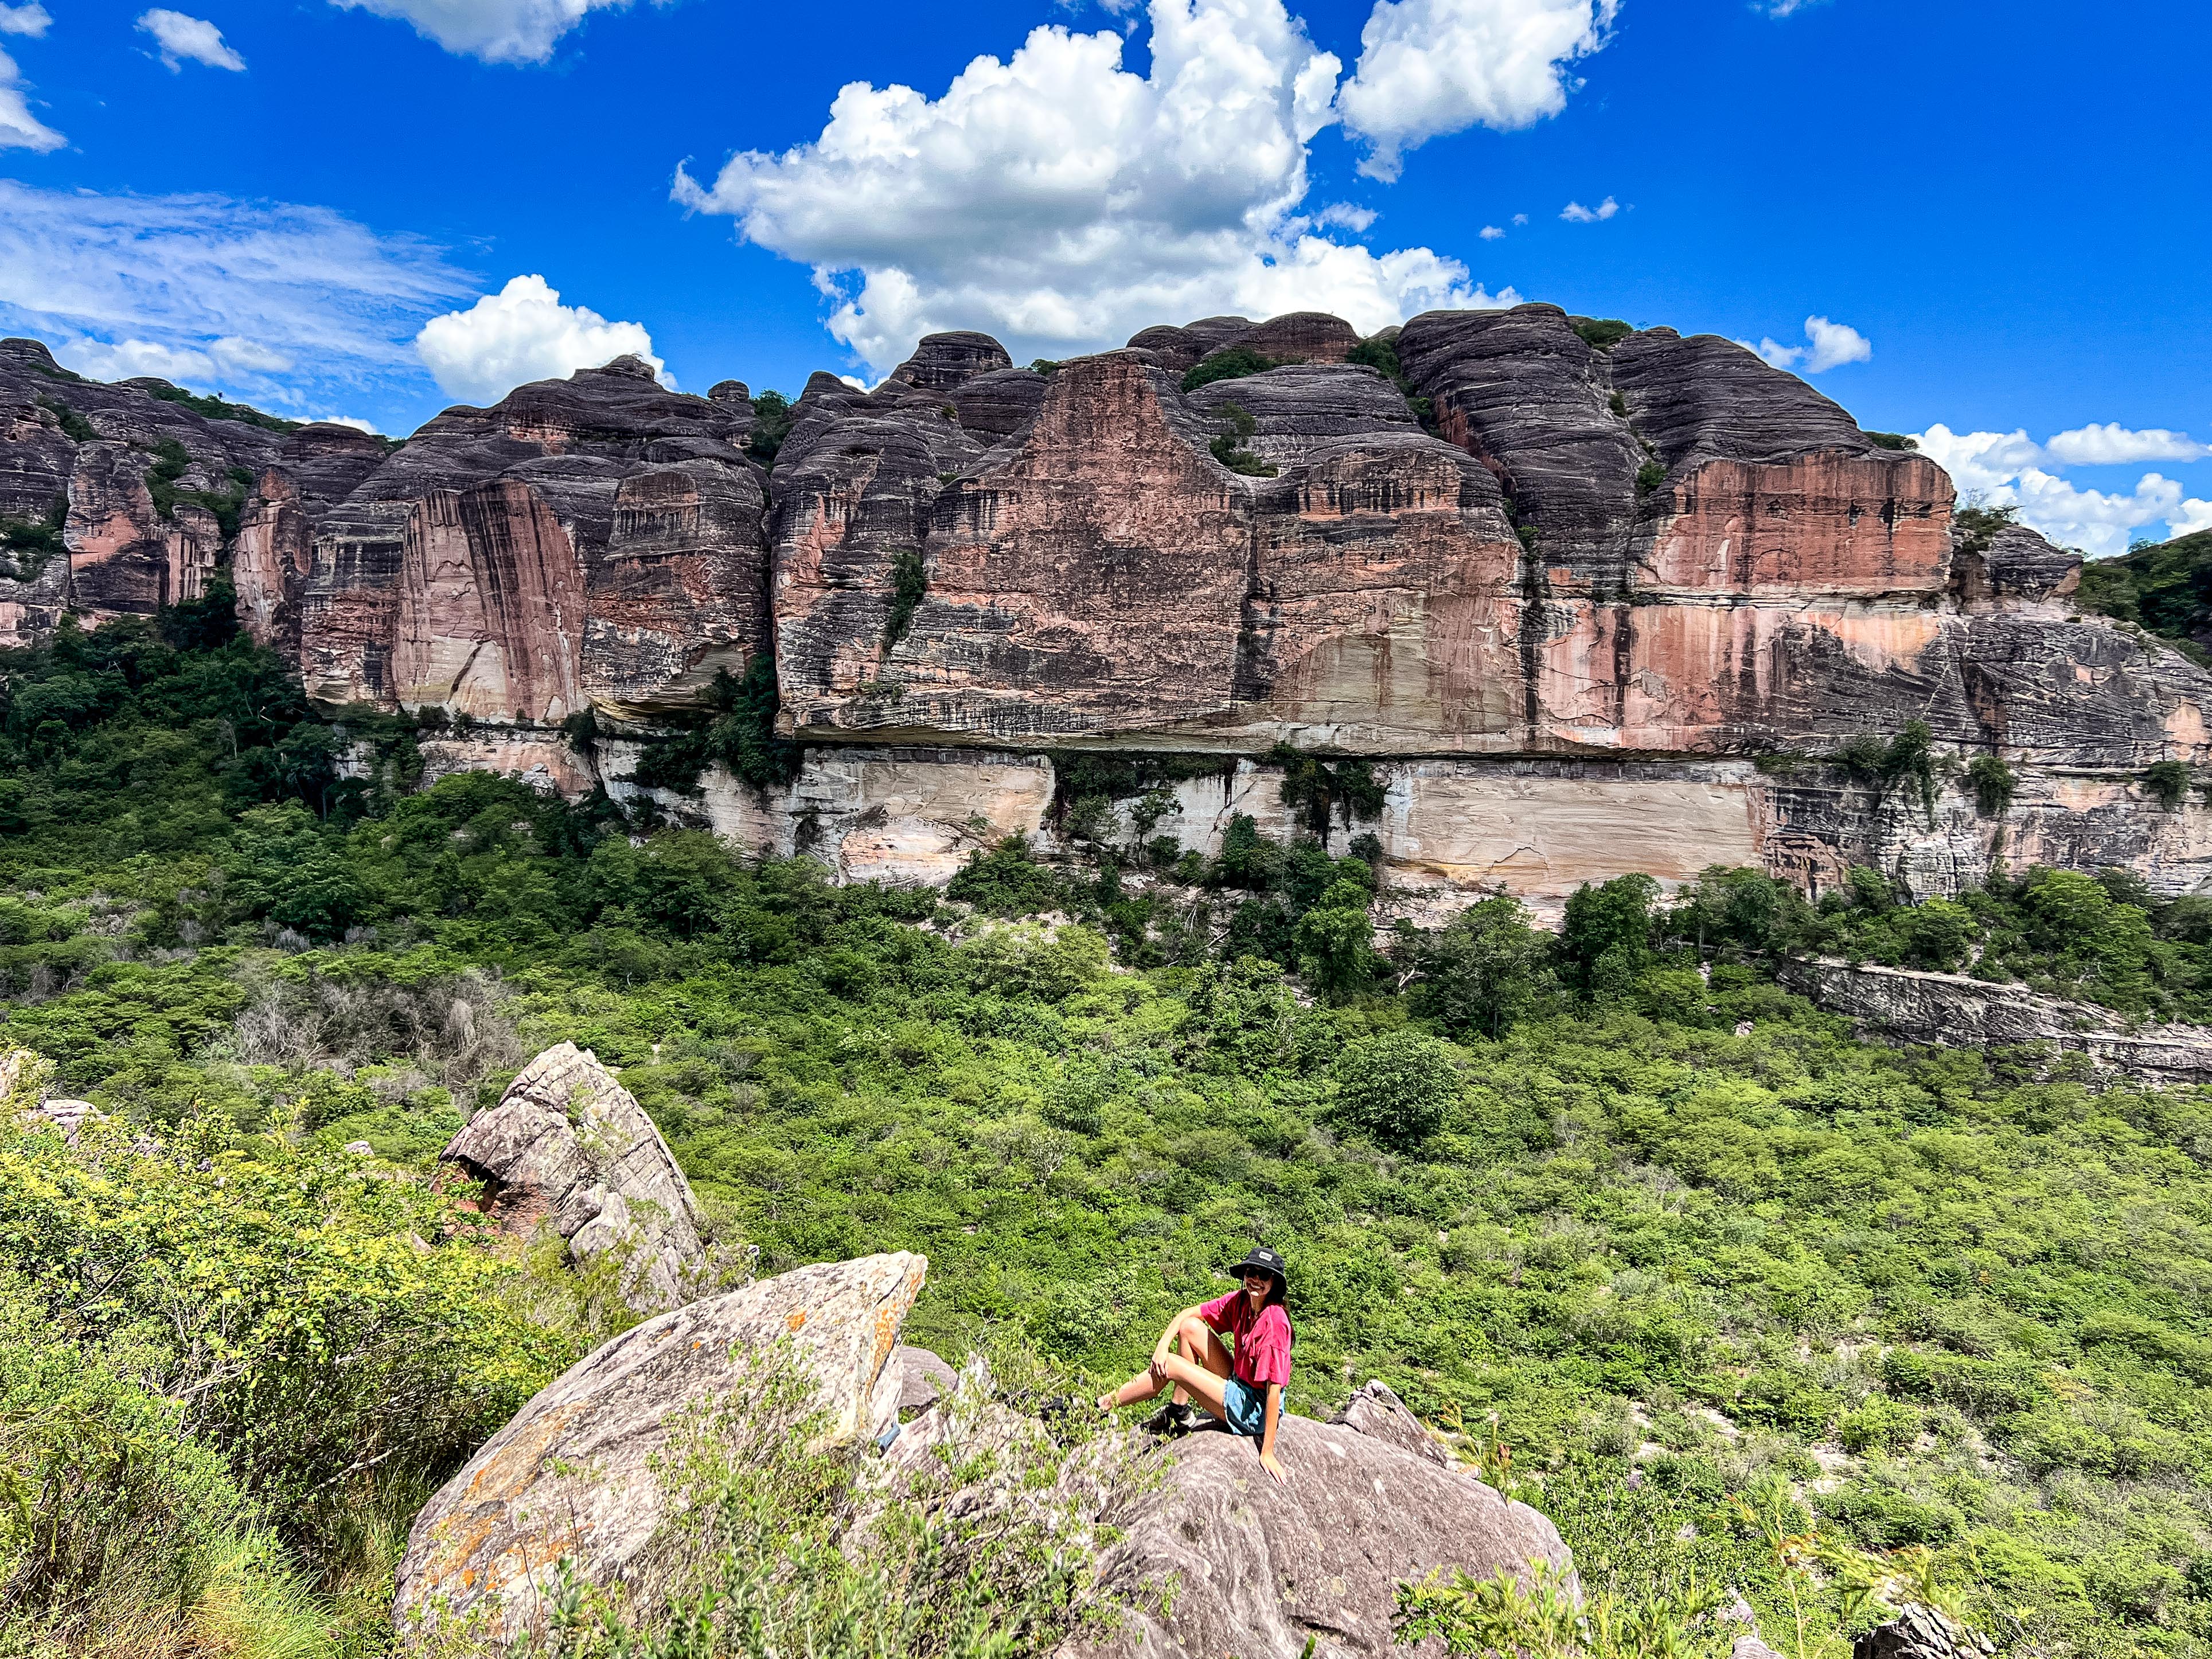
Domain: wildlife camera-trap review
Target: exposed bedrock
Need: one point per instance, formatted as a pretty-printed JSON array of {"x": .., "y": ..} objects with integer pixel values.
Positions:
[
  {"x": 1450, "y": 831},
  {"x": 592, "y": 539},
  {"x": 1957, "y": 1011},
  {"x": 1563, "y": 594}
]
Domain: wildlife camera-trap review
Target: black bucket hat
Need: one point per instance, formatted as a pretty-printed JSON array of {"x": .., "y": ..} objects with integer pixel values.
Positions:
[{"x": 1262, "y": 1260}]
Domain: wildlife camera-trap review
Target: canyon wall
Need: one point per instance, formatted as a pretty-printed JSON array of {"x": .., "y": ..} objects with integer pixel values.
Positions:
[{"x": 1585, "y": 608}]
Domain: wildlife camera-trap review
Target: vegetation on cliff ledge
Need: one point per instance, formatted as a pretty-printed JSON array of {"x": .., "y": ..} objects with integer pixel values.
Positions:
[{"x": 1715, "y": 1272}]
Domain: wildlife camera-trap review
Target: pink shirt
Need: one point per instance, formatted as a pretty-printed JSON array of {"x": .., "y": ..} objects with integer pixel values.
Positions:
[{"x": 1261, "y": 1348}]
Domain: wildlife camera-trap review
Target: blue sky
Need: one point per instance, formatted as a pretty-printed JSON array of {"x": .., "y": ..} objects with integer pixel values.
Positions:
[{"x": 1999, "y": 211}]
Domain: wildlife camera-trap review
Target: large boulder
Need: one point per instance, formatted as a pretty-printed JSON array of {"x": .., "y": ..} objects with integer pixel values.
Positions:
[
  {"x": 569, "y": 1146},
  {"x": 1262, "y": 1568},
  {"x": 575, "y": 1477}
]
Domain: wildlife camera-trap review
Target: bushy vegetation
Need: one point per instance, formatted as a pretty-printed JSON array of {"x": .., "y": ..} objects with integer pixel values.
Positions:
[
  {"x": 1602, "y": 333},
  {"x": 2106, "y": 939},
  {"x": 737, "y": 728},
  {"x": 1229, "y": 447},
  {"x": 214, "y": 408},
  {"x": 2165, "y": 589},
  {"x": 31, "y": 542},
  {"x": 1381, "y": 356},
  {"x": 772, "y": 417},
  {"x": 1232, "y": 363},
  {"x": 1718, "y": 1274}
]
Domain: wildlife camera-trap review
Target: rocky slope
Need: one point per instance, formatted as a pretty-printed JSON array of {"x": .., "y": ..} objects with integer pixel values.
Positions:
[{"x": 1565, "y": 593}]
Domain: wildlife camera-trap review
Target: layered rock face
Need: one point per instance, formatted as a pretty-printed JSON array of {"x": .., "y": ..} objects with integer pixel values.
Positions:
[
  {"x": 1562, "y": 594},
  {"x": 89, "y": 460},
  {"x": 596, "y": 539}
]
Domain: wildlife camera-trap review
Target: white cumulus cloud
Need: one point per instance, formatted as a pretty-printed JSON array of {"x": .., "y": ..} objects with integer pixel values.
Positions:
[
  {"x": 1827, "y": 345},
  {"x": 2010, "y": 469},
  {"x": 1490, "y": 234},
  {"x": 519, "y": 334},
  {"x": 1431, "y": 67},
  {"x": 31, "y": 20},
  {"x": 497, "y": 31},
  {"x": 184, "y": 40},
  {"x": 1062, "y": 202},
  {"x": 2112, "y": 444},
  {"x": 211, "y": 291},
  {"x": 19, "y": 128},
  {"x": 1576, "y": 213}
]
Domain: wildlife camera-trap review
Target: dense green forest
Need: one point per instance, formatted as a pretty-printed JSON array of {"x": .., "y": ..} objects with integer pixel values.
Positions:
[
  {"x": 1678, "y": 1258},
  {"x": 2164, "y": 588}
]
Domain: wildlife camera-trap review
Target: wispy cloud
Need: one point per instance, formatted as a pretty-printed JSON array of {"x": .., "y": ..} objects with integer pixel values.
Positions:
[
  {"x": 213, "y": 290},
  {"x": 31, "y": 20},
  {"x": 1576, "y": 213},
  {"x": 19, "y": 128},
  {"x": 496, "y": 31},
  {"x": 185, "y": 39}
]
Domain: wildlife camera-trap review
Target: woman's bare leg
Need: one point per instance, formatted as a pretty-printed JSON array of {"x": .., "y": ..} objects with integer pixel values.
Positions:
[
  {"x": 1200, "y": 1346},
  {"x": 1203, "y": 1385},
  {"x": 1199, "y": 1342}
]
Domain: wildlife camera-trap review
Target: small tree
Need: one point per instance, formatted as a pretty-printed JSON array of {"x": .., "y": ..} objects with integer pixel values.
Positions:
[
  {"x": 1394, "y": 1089},
  {"x": 1606, "y": 940},
  {"x": 2168, "y": 782},
  {"x": 1336, "y": 942},
  {"x": 1486, "y": 971}
]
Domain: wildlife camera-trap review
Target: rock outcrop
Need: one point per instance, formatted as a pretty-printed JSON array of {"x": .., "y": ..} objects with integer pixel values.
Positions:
[
  {"x": 576, "y": 1476},
  {"x": 1376, "y": 1410},
  {"x": 569, "y": 1147},
  {"x": 1561, "y": 593},
  {"x": 1263, "y": 1569},
  {"x": 1955, "y": 1010}
]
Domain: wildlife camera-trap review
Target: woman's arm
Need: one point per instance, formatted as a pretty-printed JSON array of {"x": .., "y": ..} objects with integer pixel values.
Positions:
[{"x": 1274, "y": 1413}]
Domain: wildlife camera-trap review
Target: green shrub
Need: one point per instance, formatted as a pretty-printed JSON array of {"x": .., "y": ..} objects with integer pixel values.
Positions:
[
  {"x": 909, "y": 585},
  {"x": 1228, "y": 448},
  {"x": 295, "y": 1305},
  {"x": 1891, "y": 440},
  {"x": 1602, "y": 333},
  {"x": 1973, "y": 528},
  {"x": 782, "y": 1549},
  {"x": 1649, "y": 477},
  {"x": 1232, "y": 363},
  {"x": 773, "y": 415},
  {"x": 1395, "y": 1089},
  {"x": 219, "y": 409},
  {"x": 2168, "y": 782},
  {"x": 1993, "y": 784},
  {"x": 75, "y": 426}
]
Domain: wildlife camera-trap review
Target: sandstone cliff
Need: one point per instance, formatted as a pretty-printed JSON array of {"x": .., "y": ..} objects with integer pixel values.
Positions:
[{"x": 1565, "y": 594}]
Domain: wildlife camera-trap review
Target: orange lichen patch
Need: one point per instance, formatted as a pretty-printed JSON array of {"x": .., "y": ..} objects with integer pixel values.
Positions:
[
  {"x": 1830, "y": 522},
  {"x": 797, "y": 1318},
  {"x": 509, "y": 1473}
]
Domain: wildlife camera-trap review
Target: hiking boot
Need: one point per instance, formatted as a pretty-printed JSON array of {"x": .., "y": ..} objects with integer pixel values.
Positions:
[{"x": 1171, "y": 1421}]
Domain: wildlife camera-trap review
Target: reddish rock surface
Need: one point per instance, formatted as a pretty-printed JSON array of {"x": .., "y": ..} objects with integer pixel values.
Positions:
[{"x": 1659, "y": 554}]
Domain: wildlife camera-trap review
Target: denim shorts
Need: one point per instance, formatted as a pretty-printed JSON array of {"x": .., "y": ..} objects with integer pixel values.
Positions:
[{"x": 1246, "y": 1407}]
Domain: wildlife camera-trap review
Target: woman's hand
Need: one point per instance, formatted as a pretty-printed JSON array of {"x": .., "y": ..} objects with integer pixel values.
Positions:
[{"x": 1269, "y": 1463}]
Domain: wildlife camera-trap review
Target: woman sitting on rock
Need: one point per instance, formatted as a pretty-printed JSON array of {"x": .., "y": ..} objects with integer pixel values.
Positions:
[{"x": 1245, "y": 1390}]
